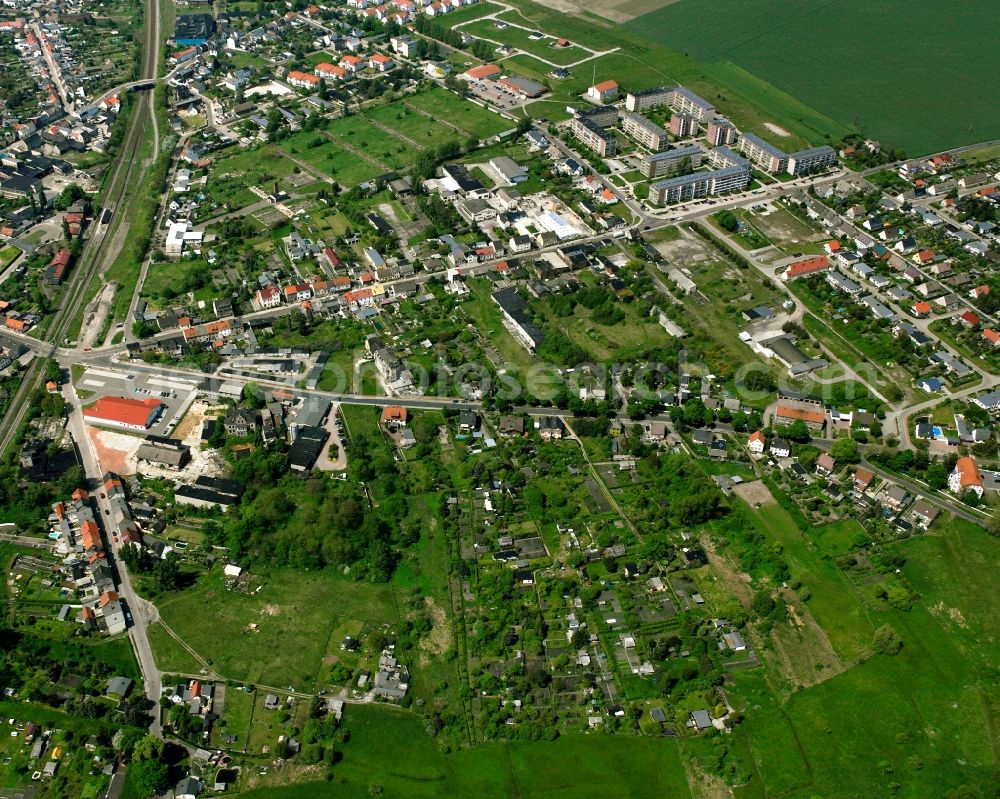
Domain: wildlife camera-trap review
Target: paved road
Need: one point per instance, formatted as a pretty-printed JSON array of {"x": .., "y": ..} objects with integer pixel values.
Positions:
[{"x": 137, "y": 607}]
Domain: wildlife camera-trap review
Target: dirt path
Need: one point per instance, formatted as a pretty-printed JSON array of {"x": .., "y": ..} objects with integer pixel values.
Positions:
[{"x": 96, "y": 314}]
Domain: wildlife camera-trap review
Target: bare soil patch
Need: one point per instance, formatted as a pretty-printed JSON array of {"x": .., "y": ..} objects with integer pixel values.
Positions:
[
  {"x": 755, "y": 493},
  {"x": 114, "y": 450},
  {"x": 777, "y": 130},
  {"x": 97, "y": 312},
  {"x": 439, "y": 638}
]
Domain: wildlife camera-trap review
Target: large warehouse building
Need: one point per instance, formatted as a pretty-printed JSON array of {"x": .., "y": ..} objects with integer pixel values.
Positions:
[{"x": 132, "y": 414}]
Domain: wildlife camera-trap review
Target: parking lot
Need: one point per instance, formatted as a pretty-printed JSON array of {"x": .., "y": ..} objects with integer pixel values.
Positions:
[{"x": 175, "y": 394}]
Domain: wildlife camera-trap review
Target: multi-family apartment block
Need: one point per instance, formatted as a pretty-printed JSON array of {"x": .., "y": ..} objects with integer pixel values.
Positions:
[
  {"x": 647, "y": 133},
  {"x": 720, "y": 132},
  {"x": 811, "y": 159},
  {"x": 656, "y": 165},
  {"x": 683, "y": 125},
  {"x": 763, "y": 154},
  {"x": 649, "y": 98},
  {"x": 594, "y": 136},
  {"x": 603, "y": 115},
  {"x": 699, "y": 184},
  {"x": 722, "y": 157},
  {"x": 687, "y": 102}
]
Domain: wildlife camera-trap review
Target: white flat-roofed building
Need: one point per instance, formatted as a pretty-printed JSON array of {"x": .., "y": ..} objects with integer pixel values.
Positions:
[
  {"x": 811, "y": 160},
  {"x": 648, "y": 98}
]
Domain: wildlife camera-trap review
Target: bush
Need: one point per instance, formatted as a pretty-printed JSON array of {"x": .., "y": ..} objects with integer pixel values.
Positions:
[{"x": 886, "y": 642}]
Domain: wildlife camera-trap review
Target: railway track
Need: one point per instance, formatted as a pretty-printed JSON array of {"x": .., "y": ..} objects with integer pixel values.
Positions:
[{"x": 95, "y": 256}]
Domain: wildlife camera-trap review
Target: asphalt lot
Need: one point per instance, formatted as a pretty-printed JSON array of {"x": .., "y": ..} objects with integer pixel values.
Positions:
[{"x": 176, "y": 394}]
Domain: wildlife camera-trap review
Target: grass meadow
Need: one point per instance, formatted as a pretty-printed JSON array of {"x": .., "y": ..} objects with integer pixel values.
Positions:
[
  {"x": 916, "y": 724},
  {"x": 770, "y": 50},
  {"x": 295, "y": 612},
  {"x": 390, "y": 749}
]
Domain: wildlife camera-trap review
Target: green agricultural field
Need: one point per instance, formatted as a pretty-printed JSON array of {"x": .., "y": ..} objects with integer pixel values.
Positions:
[
  {"x": 170, "y": 656},
  {"x": 751, "y": 48},
  {"x": 610, "y": 767},
  {"x": 330, "y": 158},
  {"x": 839, "y": 538},
  {"x": 643, "y": 62},
  {"x": 294, "y": 614},
  {"x": 412, "y": 124}
]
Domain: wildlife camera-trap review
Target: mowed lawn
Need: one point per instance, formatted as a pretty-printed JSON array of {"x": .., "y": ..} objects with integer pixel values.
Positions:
[
  {"x": 295, "y": 612},
  {"x": 571, "y": 766},
  {"x": 919, "y": 85}
]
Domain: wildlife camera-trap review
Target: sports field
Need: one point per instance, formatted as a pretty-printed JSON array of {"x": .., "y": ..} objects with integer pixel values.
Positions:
[{"x": 890, "y": 69}]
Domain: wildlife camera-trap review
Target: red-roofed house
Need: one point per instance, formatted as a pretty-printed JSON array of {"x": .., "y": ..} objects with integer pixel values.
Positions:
[
  {"x": 132, "y": 414},
  {"x": 330, "y": 71},
  {"x": 269, "y": 297},
  {"x": 331, "y": 258},
  {"x": 992, "y": 336},
  {"x": 380, "y": 62},
  {"x": 966, "y": 477},
  {"x": 980, "y": 291},
  {"x": 352, "y": 63},
  {"x": 756, "y": 443},
  {"x": 924, "y": 256},
  {"x": 969, "y": 319},
  {"x": 603, "y": 92},
  {"x": 832, "y": 246},
  {"x": 298, "y": 292},
  {"x": 922, "y": 308},
  {"x": 807, "y": 267},
  {"x": 302, "y": 80},
  {"x": 394, "y": 415}
]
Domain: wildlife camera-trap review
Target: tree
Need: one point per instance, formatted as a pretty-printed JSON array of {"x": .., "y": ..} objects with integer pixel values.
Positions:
[
  {"x": 148, "y": 778},
  {"x": 845, "y": 450},
  {"x": 727, "y": 220},
  {"x": 148, "y": 748},
  {"x": 937, "y": 475},
  {"x": 798, "y": 431},
  {"x": 68, "y": 196},
  {"x": 762, "y": 603},
  {"x": 167, "y": 573}
]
